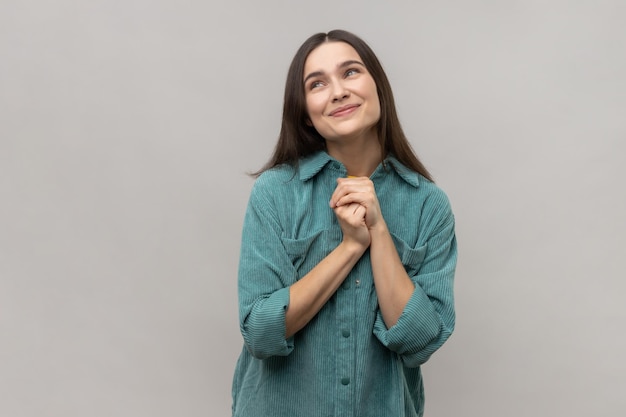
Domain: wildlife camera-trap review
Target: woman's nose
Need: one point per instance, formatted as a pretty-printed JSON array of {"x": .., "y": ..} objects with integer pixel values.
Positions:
[{"x": 340, "y": 92}]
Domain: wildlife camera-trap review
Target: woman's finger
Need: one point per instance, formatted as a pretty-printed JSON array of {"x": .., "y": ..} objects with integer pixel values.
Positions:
[{"x": 352, "y": 190}]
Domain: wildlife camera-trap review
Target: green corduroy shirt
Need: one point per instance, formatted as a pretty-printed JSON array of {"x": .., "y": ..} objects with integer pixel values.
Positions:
[{"x": 345, "y": 361}]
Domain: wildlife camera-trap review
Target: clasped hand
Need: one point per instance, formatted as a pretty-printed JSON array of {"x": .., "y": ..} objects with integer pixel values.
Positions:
[{"x": 357, "y": 209}]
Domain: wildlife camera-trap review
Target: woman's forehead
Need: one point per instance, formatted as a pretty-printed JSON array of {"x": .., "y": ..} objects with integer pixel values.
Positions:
[{"x": 330, "y": 54}]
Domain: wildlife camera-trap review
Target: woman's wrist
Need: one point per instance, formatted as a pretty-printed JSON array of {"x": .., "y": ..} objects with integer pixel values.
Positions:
[
  {"x": 379, "y": 229},
  {"x": 353, "y": 247}
]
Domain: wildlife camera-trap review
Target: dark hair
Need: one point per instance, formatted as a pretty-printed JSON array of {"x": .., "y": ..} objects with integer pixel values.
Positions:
[{"x": 298, "y": 138}]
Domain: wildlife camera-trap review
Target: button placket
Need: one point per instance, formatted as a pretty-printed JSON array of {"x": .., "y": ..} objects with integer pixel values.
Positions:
[{"x": 346, "y": 304}]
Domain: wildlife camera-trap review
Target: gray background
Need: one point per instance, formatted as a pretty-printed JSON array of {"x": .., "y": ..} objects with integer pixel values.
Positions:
[{"x": 126, "y": 129}]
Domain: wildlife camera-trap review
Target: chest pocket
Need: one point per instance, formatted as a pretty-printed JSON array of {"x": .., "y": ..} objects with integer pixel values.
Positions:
[
  {"x": 411, "y": 257},
  {"x": 308, "y": 251}
]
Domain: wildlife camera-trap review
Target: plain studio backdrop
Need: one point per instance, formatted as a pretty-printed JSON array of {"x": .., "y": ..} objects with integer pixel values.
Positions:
[{"x": 126, "y": 130}]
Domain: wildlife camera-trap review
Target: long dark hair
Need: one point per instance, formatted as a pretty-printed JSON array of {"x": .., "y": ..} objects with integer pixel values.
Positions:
[{"x": 298, "y": 138}]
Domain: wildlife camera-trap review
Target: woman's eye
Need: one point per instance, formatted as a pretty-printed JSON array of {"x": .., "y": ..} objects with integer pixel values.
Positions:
[
  {"x": 316, "y": 84},
  {"x": 351, "y": 71}
]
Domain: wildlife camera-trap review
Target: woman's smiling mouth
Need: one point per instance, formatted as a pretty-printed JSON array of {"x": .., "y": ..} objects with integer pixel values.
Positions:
[{"x": 343, "y": 110}]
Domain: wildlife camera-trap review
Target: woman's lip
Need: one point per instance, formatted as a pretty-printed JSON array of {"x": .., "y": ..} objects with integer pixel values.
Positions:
[{"x": 343, "y": 110}]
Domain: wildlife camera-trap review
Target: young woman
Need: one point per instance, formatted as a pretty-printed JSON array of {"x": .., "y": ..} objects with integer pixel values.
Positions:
[{"x": 348, "y": 251}]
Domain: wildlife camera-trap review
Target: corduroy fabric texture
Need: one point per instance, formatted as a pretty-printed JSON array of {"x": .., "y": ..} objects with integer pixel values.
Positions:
[{"x": 344, "y": 362}]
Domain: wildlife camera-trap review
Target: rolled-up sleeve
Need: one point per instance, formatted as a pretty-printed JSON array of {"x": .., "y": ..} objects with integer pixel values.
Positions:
[
  {"x": 265, "y": 273},
  {"x": 428, "y": 318}
]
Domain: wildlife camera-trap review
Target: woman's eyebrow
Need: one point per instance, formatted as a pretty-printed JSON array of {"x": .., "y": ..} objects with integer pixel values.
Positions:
[
  {"x": 313, "y": 74},
  {"x": 350, "y": 62},
  {"x": 341, "y": 65}
]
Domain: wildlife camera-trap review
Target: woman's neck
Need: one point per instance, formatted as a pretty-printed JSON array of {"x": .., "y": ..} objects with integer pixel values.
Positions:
[{"x": 360, "y": 157}]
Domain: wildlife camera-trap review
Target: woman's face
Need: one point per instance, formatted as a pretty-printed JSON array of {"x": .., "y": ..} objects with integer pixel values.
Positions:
[{"x": 341, "y": 97}]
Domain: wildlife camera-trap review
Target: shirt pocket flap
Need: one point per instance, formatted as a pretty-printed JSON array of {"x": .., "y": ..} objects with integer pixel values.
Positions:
[
  {"x": 411, "y": 257},
  {"x": 306, "y": 252}
]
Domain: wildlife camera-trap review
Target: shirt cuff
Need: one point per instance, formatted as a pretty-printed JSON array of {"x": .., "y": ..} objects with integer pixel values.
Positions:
[
  {"x": 264, "y": 330},
  {"x": 418, "y": 326}
]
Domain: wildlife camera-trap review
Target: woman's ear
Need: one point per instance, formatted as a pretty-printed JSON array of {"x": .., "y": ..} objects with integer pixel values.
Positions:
[{"x": 309, "y": 122}]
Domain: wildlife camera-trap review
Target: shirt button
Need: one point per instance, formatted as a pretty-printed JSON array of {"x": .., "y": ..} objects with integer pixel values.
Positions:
[
  {"x": 357, "y": 282},
  {"x": 345, "y": 381},
  {"x": 345, "y": 333}
]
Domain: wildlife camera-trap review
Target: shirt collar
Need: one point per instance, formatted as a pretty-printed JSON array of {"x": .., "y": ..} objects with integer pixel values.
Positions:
[
  {"x": 311, "y": 165},
  {"x": 409, "y": 176}
]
